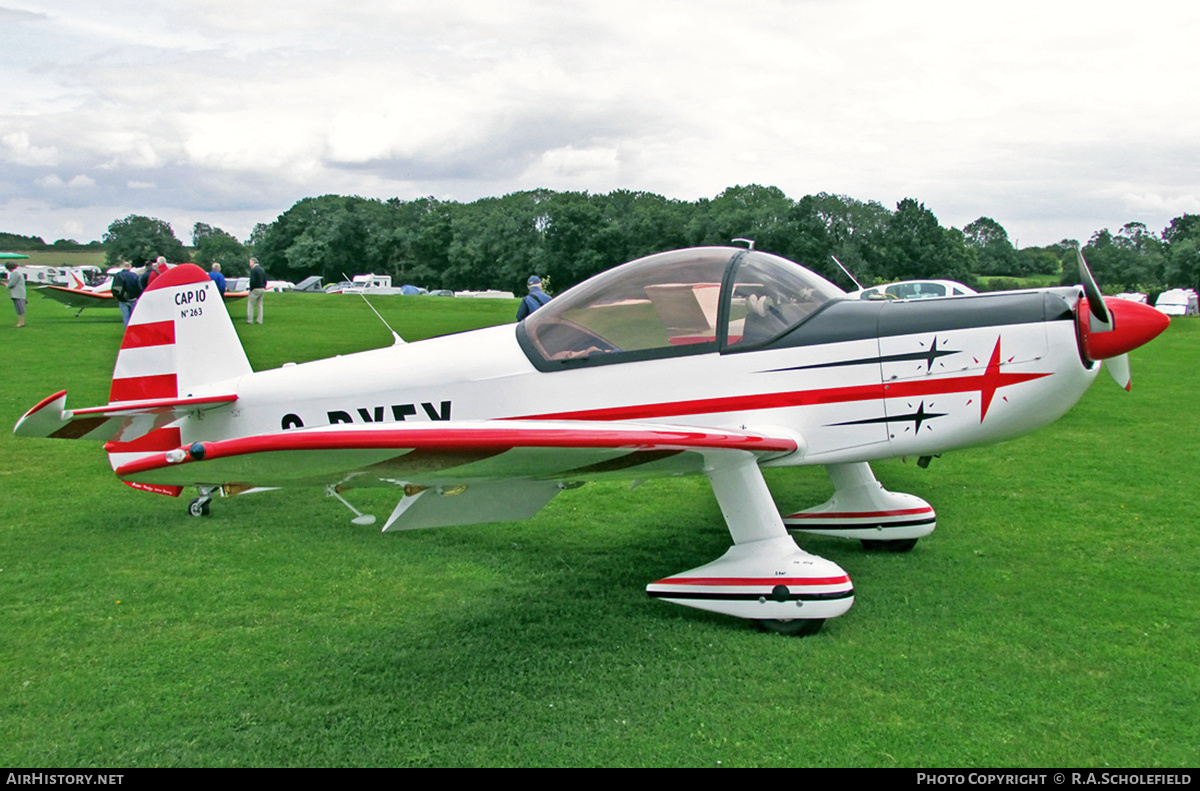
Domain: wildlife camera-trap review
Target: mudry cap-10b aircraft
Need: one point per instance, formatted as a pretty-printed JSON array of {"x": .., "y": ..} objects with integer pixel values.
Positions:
[{"x": 714, "y": 361}]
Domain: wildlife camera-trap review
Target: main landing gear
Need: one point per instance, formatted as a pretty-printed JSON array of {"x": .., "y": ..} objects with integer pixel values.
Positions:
[
  {"x": 862, "y": 509},
  {"x": 765, "y": 576}
]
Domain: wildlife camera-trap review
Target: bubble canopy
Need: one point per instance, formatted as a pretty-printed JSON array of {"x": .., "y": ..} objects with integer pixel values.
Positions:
[{"x": 693, "y": 301}]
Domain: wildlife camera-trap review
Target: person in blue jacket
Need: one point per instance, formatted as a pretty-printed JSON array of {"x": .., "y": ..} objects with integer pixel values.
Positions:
[
  {"x": 534, "y": 300},
  {"x": 218, "y": 278}
]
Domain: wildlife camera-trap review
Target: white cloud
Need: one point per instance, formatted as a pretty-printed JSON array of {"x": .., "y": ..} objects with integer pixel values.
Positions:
[
  {"x": 1062, "y": 111},
  {"x": 18, "y": 150}
]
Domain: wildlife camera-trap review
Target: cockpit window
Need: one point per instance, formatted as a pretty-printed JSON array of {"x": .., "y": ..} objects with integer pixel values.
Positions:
[
  {"x": 673, "y": 304},
  {"x": 769, "y": 296},
  {"x": 662, "y": 303}
]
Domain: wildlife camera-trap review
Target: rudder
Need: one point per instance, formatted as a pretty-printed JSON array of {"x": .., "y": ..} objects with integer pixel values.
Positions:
[{"x": 179, "y": 341}]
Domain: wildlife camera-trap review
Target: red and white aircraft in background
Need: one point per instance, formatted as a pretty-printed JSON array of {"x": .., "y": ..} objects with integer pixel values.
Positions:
[
  {"x": 82, "y": 296},
  {"x": 78, "y": 294},
  {"x": 713, "y": 361}
]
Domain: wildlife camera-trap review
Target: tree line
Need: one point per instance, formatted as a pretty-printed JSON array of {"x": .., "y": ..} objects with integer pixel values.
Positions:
[{"x": 570, "y": 236}]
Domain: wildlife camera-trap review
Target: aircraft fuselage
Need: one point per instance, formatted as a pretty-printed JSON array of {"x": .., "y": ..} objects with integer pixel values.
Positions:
[{"x": 858, "y": 381}]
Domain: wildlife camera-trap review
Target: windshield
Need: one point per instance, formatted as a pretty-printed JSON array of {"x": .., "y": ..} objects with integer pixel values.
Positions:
[{"x": 673, "y": 304}]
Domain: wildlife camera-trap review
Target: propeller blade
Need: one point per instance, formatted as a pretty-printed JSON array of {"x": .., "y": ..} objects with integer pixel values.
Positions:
[
  {"x": 1118, "y": 368},
  {"x": 1101, "y": 320}
]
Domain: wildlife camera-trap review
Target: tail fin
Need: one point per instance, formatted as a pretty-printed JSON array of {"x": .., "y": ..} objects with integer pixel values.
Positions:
[
  {"x": 180, "y": 348},
  {"x": 179, "y": 340},
  {"x": 179, "y": 357}
]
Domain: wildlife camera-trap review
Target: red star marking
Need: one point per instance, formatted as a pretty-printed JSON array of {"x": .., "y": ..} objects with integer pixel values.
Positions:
[{"x": 992, "y": 380}]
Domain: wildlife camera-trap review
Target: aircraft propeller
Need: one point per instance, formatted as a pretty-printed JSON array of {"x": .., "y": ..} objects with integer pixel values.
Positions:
[
  {"x": 1113, "y": 326},
  {"x": 1101, "y": 319}
]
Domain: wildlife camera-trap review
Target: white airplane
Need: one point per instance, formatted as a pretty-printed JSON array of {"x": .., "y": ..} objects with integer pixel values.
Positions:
[
  {"x": 78, "y": 294},
  {"x": 713, "y": 361},
  {"x": 82, "y": 296}
]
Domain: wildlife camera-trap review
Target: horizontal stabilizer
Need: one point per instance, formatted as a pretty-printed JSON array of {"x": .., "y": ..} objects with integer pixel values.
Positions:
[{"x": 122, "y": 421}]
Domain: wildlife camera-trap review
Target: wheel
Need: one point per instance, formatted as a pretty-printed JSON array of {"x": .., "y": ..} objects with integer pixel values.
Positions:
[
  {"x": 199, "y": 506},
  {"x": 796, "y": 627},
  {"x": 895, "y": 545}
]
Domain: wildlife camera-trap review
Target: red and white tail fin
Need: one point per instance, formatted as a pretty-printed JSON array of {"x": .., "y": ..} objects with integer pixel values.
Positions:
[
  {"x": 180, "y": 357},
  {"x": 180, "y": 348},
  {"x": 179, "y": 342}
]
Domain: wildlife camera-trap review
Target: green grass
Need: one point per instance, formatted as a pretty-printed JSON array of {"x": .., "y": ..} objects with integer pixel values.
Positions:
[
  {"x": 63, "y": 258},
  {"x": 1050, "y": 621}
]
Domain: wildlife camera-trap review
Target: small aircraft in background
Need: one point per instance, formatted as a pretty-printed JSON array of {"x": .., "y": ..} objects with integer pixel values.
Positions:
[
  {"x": 712, "y": 361},
  {"x": 82, "y": 296},
  {"x": 78, "y": 294}
]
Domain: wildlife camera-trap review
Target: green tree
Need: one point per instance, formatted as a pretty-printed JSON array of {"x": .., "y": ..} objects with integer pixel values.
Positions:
[
  {"x": 1129, "y": 260},
  {"x": 1182, "y": 252},
  {"x": 850, "y": 229},
  {"x": 139, "y": 240},
  {"x": 215, "y": 245},
  {"x": 915, "y": 246},
  {"x": 995, "y": 253},
  {"x": 329, "y": 236}
]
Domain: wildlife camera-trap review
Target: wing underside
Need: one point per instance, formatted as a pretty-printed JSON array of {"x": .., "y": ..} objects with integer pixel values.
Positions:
[
  {"x": 78, "y": 298},
  {"x": 449, "y": 453}
]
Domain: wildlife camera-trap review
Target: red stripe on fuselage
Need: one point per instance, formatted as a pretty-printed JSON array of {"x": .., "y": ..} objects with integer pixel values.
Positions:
[{"x": 986, "y": 383}]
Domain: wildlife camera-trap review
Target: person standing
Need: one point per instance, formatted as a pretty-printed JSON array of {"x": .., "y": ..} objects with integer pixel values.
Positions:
[
  {"x": 126, "y": 288},
  {"x": 16, "y": 290},
  {"x": 258, "y": 287},
  {"x": 218, "y": 278},
  {"x": 159, "y": 267},
  {"x": 534, "y": 299}
]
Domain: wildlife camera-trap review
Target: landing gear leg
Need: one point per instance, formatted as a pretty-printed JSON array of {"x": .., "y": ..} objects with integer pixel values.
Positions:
[
  {"x": 359, "y": 517},
  {"x": 862, "y": 509},
  {"x": 764, "y": 576}
]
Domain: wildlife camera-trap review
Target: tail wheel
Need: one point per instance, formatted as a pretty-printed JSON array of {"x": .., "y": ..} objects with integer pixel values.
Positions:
[{"x": 199, "y": 506}]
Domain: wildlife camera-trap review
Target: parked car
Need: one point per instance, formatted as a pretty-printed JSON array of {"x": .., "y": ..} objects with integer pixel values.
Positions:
[
  {"x": 914, "y": 289},
  {"x": 1178, "y": 302}
]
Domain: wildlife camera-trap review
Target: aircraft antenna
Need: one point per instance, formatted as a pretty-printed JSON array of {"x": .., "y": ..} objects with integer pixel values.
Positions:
[
  {"x": 395, "y": 335},
  {"x": 748, "y": 242},
  {"x": 847, "y": 271}
]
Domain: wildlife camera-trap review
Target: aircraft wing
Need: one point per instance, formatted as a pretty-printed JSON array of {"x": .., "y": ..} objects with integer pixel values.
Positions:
[
  {"x": 78, "y": 298},
  {"x": 483, "y": 471},
  {"x": 445, "y": 452}
]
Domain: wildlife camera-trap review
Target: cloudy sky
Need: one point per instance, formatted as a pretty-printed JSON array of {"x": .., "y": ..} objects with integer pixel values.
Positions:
[{"x": 1054, "y": 118}]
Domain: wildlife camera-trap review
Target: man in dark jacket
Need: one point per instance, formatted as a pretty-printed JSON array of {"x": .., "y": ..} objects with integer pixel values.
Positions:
[
  {"x": 534, "y": 300},
  {"x": 126, "y": 288},
  {"x": 258, "y": 287}
]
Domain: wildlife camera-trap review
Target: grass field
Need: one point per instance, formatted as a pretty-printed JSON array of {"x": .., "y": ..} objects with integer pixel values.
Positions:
[
  {"x": 1050, "y": 621},
  {"x": 63, "y": 258}
]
